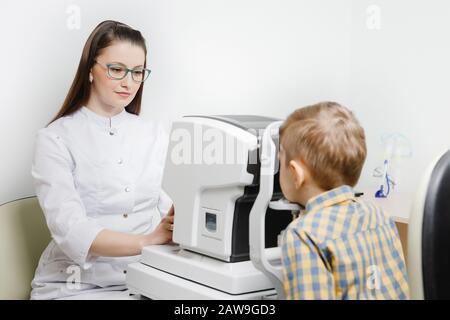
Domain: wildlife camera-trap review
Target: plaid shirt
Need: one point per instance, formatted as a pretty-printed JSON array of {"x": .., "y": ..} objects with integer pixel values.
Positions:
[{"x": 343, "y": 248}]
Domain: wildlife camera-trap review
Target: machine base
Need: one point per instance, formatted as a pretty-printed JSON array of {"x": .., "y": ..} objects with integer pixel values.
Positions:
[
  {"x": 159, "y": 285},
  {"x": 168, "y": 272}
]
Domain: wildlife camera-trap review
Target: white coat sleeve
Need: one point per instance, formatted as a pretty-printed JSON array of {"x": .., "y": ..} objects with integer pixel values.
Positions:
[
  {"x": 164, "y": 202},
  {"x": 70, "y": 227}
]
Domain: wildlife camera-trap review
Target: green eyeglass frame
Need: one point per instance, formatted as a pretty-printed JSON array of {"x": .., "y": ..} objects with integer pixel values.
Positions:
[{"x": 123, "y": 69}]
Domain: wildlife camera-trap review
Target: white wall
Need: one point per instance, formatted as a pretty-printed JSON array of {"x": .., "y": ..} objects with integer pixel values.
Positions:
[
  {"x": 238, "y": 57},
  {"x": 263, "y": 57},
  {"x": 399, "y": 81},
  {"x": 213, "y": 57}
]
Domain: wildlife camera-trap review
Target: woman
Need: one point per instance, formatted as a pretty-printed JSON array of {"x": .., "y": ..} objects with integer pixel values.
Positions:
[{"x": 97, "y": 172}]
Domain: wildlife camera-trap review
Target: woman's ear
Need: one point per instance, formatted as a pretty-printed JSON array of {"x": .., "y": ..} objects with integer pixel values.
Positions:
[
  {"x": 91, "y": 78},
  {"x": 298, "y": 172}
]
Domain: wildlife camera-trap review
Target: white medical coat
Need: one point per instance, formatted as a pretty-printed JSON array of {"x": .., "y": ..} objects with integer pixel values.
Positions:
[{"x": 91, "y": 173}]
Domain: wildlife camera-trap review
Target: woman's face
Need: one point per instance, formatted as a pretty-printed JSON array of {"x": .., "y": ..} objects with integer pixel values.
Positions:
[{"x": 111, "y": 93}]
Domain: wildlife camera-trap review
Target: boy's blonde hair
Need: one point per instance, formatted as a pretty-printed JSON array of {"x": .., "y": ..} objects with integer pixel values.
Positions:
[{"x": 329, "y": 140}]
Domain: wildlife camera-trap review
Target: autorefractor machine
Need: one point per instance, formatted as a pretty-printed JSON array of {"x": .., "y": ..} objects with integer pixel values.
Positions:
[{"x": 222, "y": 175}]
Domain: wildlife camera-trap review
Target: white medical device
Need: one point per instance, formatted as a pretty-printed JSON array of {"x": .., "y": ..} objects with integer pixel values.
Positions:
[{"x": 222, "y": 175}]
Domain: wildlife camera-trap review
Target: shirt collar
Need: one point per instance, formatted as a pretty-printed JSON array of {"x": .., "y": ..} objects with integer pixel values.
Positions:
[
  {"x": 330, "y": 198},
  {"x": 105, "y": 122}
]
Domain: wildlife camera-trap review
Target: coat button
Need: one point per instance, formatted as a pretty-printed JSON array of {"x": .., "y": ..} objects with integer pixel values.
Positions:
[
  {"x": 127, "y": 189},
  {"x": 120, "y": 161},
  {"x": 125, "y": 215},
  {"x": 125, "y": 271}
]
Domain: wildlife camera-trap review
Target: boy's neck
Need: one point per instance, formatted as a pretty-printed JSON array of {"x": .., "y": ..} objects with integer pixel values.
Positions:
[{"x": 308, "y": 192}]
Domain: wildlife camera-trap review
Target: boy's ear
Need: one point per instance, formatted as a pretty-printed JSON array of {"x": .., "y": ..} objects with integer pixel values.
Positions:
[{"x": 298, "y": 172}]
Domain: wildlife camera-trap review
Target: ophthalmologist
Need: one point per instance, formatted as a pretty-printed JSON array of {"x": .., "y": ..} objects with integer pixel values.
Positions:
[{"x": 97, "y": 172}]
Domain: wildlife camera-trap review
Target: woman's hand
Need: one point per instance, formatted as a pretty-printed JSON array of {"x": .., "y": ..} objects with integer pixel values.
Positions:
[
  {"x": 110, "y": 243},
  {"x": 171, "y": 211},
  {"x": 163, "y": 232}
]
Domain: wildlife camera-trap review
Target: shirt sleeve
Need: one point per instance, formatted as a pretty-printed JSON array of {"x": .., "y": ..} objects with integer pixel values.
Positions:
[
  {"x": 305, "y": 276},
  {"x": 164, "y": 203},
  {"x": 70, "y": 227}
]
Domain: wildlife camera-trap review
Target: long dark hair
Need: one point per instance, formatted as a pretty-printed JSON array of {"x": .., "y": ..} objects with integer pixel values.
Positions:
[{"x": 102, "y": 36}]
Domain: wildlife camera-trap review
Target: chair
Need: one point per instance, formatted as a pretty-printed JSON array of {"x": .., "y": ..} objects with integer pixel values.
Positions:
[
  {"x": 429, "y": 234},
  {"x": 23, "y": 238}
]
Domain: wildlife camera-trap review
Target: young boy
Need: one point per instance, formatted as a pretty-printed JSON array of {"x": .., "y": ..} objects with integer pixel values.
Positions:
[{"x": 339, "y": 247}]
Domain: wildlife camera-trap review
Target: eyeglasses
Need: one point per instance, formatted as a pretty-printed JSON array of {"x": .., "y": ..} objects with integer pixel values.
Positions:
[{"x": 118, "y": 71}]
